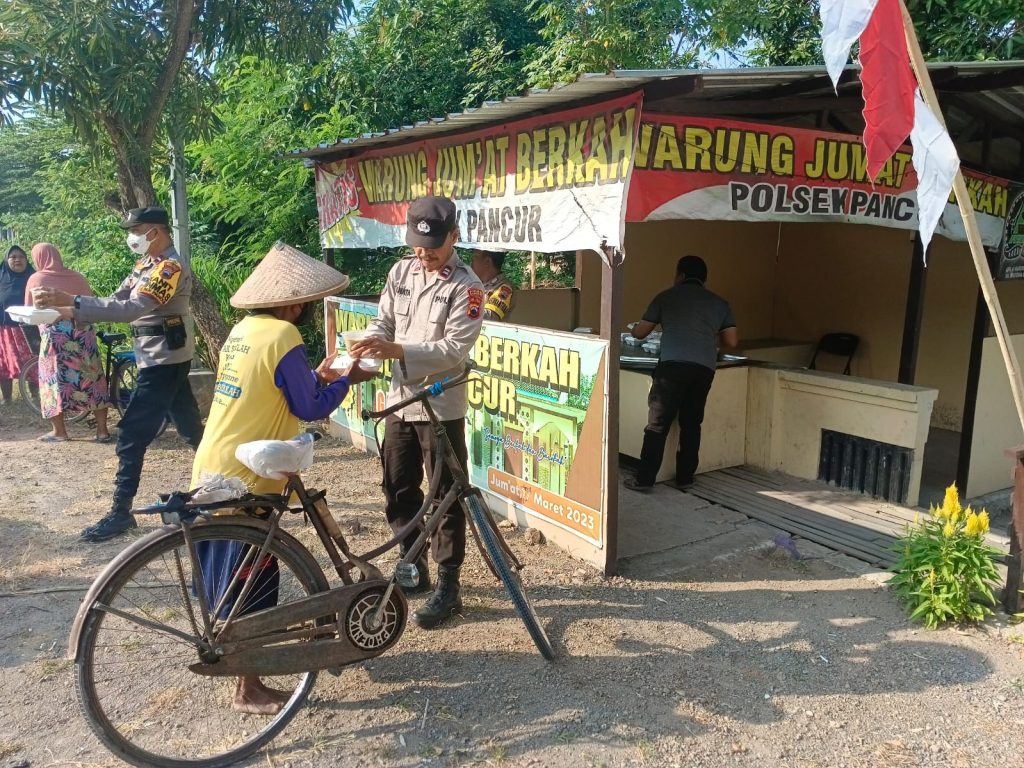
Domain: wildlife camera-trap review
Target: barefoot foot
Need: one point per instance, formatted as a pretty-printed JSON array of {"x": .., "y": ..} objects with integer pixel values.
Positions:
[{"x": 254, "y": 698}]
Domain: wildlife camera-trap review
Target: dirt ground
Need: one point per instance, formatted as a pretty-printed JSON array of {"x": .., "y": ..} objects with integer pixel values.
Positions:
[{"x": 748, "y": 658}]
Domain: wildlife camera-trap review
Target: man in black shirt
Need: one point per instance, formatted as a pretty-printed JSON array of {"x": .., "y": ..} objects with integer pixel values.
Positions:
[{"x": 695, "y": 322}]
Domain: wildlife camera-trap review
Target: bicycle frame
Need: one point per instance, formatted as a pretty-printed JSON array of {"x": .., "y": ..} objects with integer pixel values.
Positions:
[{"x": 267, "y": 642}]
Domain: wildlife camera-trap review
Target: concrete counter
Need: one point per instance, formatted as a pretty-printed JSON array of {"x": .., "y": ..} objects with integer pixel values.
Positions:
[{"x": 772, "y": 417}]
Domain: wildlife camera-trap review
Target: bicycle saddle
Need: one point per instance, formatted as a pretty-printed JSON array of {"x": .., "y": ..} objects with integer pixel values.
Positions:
[{"x": 112, "y": 338}]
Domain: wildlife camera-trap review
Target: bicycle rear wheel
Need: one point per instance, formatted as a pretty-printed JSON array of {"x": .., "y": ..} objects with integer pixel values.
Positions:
[
  {"x": 28, "y": 386},
  {"x": 124, "y": 380},
  {"x": 494, "y": 550},
  {"x": 133, "y": 678}
]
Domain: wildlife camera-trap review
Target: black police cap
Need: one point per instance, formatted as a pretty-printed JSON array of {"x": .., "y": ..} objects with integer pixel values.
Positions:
[
  {"x": 152, "y": 214},
  {"x": 429, "y": 221}
]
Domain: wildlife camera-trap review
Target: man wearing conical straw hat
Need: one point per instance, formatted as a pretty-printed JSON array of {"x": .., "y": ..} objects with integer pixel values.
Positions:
[{"x": 264, "y": 387}]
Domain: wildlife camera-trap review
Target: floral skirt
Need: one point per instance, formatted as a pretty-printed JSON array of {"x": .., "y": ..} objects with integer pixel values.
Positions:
[
  {"x": 70, "y": 370},
  {"x": 14, "y": 350}
]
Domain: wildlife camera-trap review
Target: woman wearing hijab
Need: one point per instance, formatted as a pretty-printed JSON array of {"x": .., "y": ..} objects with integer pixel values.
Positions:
[
  {"x": 14, "y": 346},
  {"x": 71, "y": 375}
]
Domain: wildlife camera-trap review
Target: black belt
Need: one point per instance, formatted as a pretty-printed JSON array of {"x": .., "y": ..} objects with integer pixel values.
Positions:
[{"x": 149, "y": 330}]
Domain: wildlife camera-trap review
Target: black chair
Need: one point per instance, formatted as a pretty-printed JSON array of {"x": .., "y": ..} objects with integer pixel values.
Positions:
[{"x": 838, "y": 344}]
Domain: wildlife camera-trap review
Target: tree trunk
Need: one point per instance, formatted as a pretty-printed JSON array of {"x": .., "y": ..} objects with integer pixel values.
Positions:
[
  {"x": 135, "y": 180},
  {"x": 209, "y": 321}
]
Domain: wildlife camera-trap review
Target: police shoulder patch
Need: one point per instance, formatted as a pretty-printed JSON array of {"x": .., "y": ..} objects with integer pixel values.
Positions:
[
  {"x": 475, "y": 297},
  {"x": 162, "y": 281}
]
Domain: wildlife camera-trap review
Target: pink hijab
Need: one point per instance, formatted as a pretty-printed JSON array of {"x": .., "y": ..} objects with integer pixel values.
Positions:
[{"x": 51, "y": 273}]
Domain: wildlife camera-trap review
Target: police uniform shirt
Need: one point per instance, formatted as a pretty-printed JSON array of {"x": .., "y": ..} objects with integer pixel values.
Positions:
[
  {"x": 436, "y": 317},
  {"x": 500, "y": 298},
  {"x": 158, "y": 289}
]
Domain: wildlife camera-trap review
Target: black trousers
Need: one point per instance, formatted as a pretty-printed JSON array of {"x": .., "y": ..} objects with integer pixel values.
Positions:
[
  {"x": 162, "y": 391},
  {"x": 679, "y": 390},
  {"x": 408, "y": 446}
]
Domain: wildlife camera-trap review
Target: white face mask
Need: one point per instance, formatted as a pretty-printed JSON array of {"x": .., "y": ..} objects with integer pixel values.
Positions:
[{"x": 138, "y": 243}]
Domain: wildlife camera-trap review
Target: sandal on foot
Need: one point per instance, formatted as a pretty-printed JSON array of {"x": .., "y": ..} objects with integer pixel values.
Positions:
[
  {"x": 104, "y": 439},
  {"x": 52, "y": 439}
]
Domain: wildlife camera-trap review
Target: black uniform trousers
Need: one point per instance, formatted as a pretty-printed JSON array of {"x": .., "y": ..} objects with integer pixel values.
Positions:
[
  {"x": 408, "y": 446},
  {"x": 679, "y": 389},
  {"x": 162, "y": 392}
]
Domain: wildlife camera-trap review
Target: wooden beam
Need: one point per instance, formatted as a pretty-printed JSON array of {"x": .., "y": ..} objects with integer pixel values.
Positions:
[
  {"x": 913, "y": 313},
  {"x": 611, "y": 323},
  {"x": 978, "y": 333},
  {"x": 981, "y": 111},
  {"x": 1010, "y": 78},
  {"x": 672, "y": 87},
  {"x": 1013, "y": 598},
  {"x": 758, "y": 107}
]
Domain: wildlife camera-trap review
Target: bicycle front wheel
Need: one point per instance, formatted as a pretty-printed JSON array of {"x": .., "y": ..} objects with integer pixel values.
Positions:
[
  {"x": 28, "y": 385},
  {"x": 132, "y": 672},
  {"x": 495, "y": 552}
]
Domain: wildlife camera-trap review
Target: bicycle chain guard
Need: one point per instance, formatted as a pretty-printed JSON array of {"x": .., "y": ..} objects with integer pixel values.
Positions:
[{"x": 326, "y": 630}]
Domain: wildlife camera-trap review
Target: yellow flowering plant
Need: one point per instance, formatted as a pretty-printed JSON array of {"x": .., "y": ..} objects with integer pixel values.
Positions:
[{"x": 945, "y": 571}]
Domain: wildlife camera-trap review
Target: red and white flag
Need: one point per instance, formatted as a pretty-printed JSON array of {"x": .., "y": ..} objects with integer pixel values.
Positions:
[{"x": 893, "y": 108}]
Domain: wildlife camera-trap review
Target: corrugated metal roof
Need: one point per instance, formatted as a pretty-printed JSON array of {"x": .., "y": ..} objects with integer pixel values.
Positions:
[{"x": 1003, "y": 104}]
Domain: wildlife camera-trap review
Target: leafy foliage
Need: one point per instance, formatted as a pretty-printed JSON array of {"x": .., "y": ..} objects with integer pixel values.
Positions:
[
  {"x": 56, "y": 188},
  {"x": 241, "y": 190},
  {"x": 786, "y": 32},
  {"x": 601, "y": 35},
  {"x": 409, "y": 60},
  {"x": 945, "y": 571}
]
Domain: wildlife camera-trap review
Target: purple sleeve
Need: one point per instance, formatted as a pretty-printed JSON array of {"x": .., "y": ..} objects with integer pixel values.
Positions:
[{"x": 306, "y": 398}]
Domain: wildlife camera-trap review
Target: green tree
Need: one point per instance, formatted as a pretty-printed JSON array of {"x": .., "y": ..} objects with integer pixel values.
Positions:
[
  {"x": 119, "y": 72},
  {"x": 786, "y": 32},
  {"x": 601, "y": 35},
  {"x": 240, "y": 188},
  {"x": 409, "y": 60}
]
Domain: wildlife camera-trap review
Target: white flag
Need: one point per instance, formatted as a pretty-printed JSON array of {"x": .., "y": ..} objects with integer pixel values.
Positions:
[
  {"x": 936, "y": 163},
  {"x": 842, "y": 23}
]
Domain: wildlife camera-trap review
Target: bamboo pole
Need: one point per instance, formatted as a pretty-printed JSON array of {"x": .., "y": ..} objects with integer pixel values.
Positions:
[{"x": 963, "y": 199}]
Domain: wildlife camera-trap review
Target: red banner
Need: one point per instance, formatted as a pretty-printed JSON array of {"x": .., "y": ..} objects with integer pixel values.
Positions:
[
  {"x": 551, "y": 183},
  {"x": 705, "y": 168}
]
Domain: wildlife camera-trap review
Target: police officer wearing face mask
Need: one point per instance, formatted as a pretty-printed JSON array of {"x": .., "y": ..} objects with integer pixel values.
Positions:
[{"x": 155, "y": 300}]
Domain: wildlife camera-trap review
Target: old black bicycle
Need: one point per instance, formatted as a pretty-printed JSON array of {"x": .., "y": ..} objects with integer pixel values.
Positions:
[{"x": 164, "y": 631}]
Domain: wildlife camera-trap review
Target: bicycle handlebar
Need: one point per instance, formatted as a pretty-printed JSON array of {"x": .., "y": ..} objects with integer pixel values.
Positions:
[{"x": 433, "y": 390}]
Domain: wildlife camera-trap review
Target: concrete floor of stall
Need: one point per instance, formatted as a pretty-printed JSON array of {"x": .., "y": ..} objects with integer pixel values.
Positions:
[{"x": 667, "y": 534}]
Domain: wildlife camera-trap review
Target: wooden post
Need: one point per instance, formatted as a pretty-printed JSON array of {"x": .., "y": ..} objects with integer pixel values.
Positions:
[
  {"x": 963, "y": 200},
  {"x": 611, "y": 323},
  {"x": 1013, "y": 598},
  {"x": 912, "y": 316},
  {"x": 533, "y": 269}
]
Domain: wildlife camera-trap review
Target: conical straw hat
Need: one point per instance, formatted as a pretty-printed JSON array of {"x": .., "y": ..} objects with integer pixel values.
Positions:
[{"x": 287, "y": 276}]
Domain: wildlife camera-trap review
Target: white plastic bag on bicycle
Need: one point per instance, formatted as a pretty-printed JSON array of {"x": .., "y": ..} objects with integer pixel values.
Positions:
[{"x": 277, "y": 459}]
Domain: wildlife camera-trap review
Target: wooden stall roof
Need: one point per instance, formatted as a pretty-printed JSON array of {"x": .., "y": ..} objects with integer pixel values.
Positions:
[{"x": 983, "y": 103}]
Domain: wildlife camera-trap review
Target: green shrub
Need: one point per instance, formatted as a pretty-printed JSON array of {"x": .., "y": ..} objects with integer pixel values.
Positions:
[{"x": 945, "y": 571}]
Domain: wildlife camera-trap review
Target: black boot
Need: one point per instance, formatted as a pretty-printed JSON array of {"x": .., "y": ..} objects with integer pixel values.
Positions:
[
  {"x": 443, "y": 603},
  {"x": 117, "y": 521},
  {"x": 423, "y": 567}
]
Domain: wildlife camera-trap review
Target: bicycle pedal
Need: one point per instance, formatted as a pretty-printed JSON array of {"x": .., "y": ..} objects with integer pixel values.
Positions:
[{"x": 408, "y": 575}]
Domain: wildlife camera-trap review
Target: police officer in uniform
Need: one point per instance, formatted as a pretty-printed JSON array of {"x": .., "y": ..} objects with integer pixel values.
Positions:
[
  {"x": 499, "y": 295},
  {"x": 155, "y": 300},
  {"x": 428, "y": 320}
]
